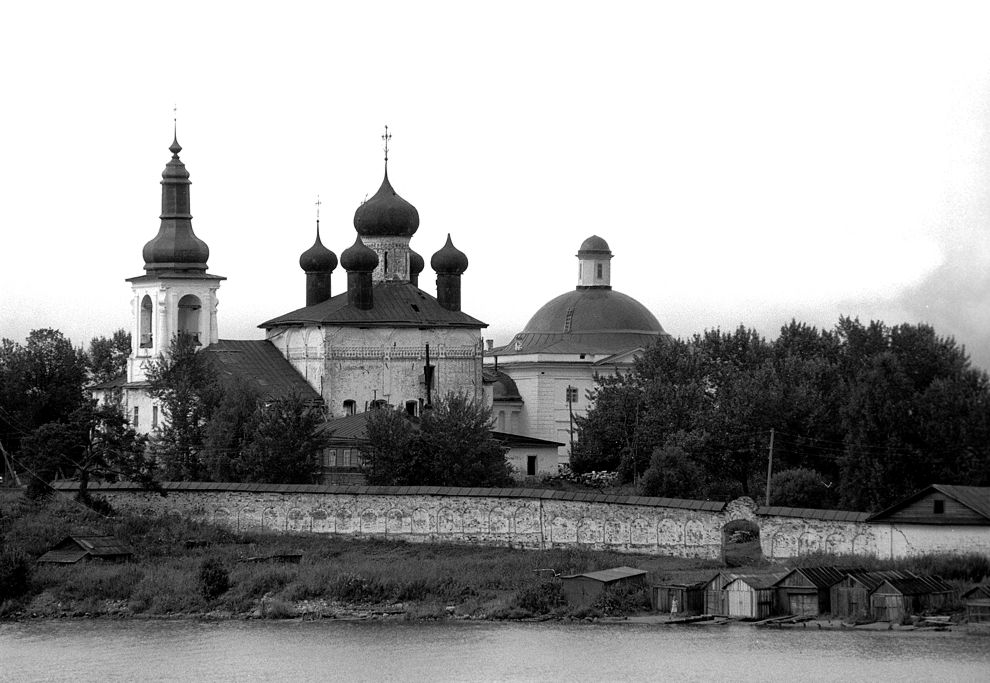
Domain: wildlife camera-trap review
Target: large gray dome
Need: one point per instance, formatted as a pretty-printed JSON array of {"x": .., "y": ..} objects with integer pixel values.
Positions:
[{"x": 593, "y": 310}]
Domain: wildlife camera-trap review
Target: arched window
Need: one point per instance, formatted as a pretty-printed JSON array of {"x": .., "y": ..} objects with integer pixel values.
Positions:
[
  {"x": 349, "y": 406},
  {"x": 189, "y": 308},
  {"x": 146, "y": 308}
]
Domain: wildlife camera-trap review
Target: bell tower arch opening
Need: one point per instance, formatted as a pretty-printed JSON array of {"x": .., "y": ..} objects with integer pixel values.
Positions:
[
  {"x": 147, "y": 340},
  {"x": 188, "y": 317}
]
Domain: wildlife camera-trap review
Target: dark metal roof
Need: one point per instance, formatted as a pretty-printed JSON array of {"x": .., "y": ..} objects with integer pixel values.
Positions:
[
  {"x": 520, "y": 441},
  {"x": 811, "y": 513},
  {"x": 609, "y": 575},
  {"x": 976, "y": 498},
  {"x": 396, "y": 304},
  {"x": 918, "y": 584},
  {"x": 977, "y": 592},
  {"x": 261, "y": 366},
  {"x": 118, "y": 382}
]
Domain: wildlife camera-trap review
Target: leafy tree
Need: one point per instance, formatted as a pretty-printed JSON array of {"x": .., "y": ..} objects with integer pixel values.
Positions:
[
  {"x": 283, "y": 444},
  {"x": 106, "y": 358},
  {"x": 453, "y": 446},
  {"x": 800, "y": 487},
  {"x": 94, "y": 441},
  {"x": 228, "y": 430},
  {"x": 673, "y": 473},
  {"x": 187, "y": 389}
]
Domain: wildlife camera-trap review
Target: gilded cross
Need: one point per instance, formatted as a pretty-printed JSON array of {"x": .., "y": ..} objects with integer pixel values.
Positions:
[{"x": 386, "y": 138}]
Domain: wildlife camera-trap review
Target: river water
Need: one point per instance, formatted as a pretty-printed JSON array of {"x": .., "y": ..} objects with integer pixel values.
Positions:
[{"x": 141, "y": 650}]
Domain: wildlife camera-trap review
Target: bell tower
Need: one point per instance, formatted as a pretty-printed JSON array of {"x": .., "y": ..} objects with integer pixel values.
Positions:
[{"x": 175, "y": 296}]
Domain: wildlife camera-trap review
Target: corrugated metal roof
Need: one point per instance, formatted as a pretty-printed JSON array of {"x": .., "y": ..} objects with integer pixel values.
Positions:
[
  {"x": 758, "y": 581},
  {"x": 609, "y": 575},
  {"x": 396, "y": 304},
  {"x": 258, "y": 363},
  {"x": 918, "y": 584}
]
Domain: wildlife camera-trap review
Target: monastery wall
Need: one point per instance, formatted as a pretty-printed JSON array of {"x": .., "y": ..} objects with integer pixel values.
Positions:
[{"x": 530, "y": 518}]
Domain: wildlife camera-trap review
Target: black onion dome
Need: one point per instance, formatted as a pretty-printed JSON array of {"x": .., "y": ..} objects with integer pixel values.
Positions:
[
  {"x": 449, "y": 260},
  {"x": 318, "y": 259},
  {"x": 416, "y": 263},
  {"x": 359, "y": 258},
  {"x": 176, "y": 245},
  {"x": 594, "y": 246},
  {"x": 386, "y": 215}
]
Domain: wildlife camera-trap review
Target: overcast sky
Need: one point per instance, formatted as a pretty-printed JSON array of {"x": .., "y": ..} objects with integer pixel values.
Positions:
[{"x": 748, "y": 162}]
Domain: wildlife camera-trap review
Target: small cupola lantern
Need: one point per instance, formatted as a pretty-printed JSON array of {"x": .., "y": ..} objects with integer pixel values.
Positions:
[
  {"x": 449, "y": 264},
  {"x": 318, "y": 263},
  {"x": 360, "y": 262}
]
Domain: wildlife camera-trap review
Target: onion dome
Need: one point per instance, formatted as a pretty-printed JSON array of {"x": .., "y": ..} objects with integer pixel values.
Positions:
[
  {"x": 359, "y": 258},
  {"x": 176, "y": 246},
  {"x": 318, "y": 259},
  {"x": 386, "y": 215},
  {"x": 449, "y": 260},
  {"x": 416, "y": 263},
  {"x": 594, "y": 246}
]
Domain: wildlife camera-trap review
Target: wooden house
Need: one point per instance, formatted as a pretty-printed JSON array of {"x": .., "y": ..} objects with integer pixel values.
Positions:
[
  {"x": 679, "y": 598},
  {"x": 751, "y": 596},
  {"x": 72, "y": 549},
  {"x": 584, "y": 589},
  {"x": 899, "y": 597},
  {"x": 806, "y": 591}
]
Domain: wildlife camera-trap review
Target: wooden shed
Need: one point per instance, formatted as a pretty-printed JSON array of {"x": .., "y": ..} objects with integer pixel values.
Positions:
[
  {"x": 72, "y": 549},
  {"x": 714, "y": 593},
  {"x": 751, "y": 596},
  {"x": 584, "y": 589},
  {"x": 850, "y": 596},
  {"x": 900, "y": 597},
  {"x": 806, "y": 591},
  {"x": 679, "y": 598}
]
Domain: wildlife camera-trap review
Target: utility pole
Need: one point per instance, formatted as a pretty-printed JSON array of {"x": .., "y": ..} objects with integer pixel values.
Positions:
[
  {"x": 571, "y": 391},
  {"x": 769, "y": 467}
]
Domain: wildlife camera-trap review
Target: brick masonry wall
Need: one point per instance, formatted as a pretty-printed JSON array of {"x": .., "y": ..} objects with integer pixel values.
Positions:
[{"x": 529, "y": 518}]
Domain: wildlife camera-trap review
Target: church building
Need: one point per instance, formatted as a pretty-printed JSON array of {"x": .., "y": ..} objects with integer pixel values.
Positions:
[
  {"x": 541, "y": 378},
  {"x": 380, "y": 341}
]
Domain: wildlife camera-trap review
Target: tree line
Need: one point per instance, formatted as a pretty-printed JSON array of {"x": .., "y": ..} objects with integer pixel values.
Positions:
[{"x": 861, "y": 415}]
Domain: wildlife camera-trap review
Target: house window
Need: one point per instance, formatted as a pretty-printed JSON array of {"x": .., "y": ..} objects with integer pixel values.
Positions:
[
  {"x": 135, "y": 421},
  {"x": 349, "y": 406},
  {"x": 572, "y": 394},
  {"x": 154, "y": 416},
  {"x": 939, "y": 507},
  {"x": 531, "y": 465}
]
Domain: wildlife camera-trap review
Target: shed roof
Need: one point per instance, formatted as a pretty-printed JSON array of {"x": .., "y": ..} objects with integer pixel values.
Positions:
[
  {"x": 820, "y": 577},
  {"x": 917, "y": 584},
  {"x": 976, "y": 498},
  {"x": 812, "y": 513},
  {"x": 977, "y": 592},
  {"x": 758, "y": 581},
  {"x": 71, "y": 549},
  {"x": 610, "y": 575}
]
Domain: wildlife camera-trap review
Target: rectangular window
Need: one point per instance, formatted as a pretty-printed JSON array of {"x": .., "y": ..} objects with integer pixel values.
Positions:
[
  {"x": 939, "y": 507},
  {"x": 531, "y": 465},
  {"x": 598, "y": 271},
  {"x": 154, "y": 416},
  {"x": 135, "y": 417}
]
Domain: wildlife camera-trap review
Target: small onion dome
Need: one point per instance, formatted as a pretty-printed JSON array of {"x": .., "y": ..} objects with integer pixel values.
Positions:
[
  {"x": 386, "y": 215},
  {"x": 450, "y": 260},
  {"x": 359, "y": 258},
  {"x": 318, "y": 259},
  {"x": 594, "y": 246},
  {"x": 416, "y": 263}
]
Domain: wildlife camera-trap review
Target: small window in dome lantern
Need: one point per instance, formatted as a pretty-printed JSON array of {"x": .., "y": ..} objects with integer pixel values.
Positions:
[{"x": 598, "y": 271}]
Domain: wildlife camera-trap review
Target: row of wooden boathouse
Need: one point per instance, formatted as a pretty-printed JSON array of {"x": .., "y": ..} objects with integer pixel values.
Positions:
[{"x": 809, "y": 591}]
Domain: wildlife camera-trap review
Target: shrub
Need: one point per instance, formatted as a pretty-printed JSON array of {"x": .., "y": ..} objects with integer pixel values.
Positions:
[
  {"x": 214, "y": 579},
  {"x": 542, "y": 598},
  {"x": 622, "y": 599},
  {"x": 15, "y": 575}
]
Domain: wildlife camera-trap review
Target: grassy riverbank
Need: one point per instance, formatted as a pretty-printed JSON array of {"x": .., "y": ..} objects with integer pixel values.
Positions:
[{"x": 186, "y": 568}]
